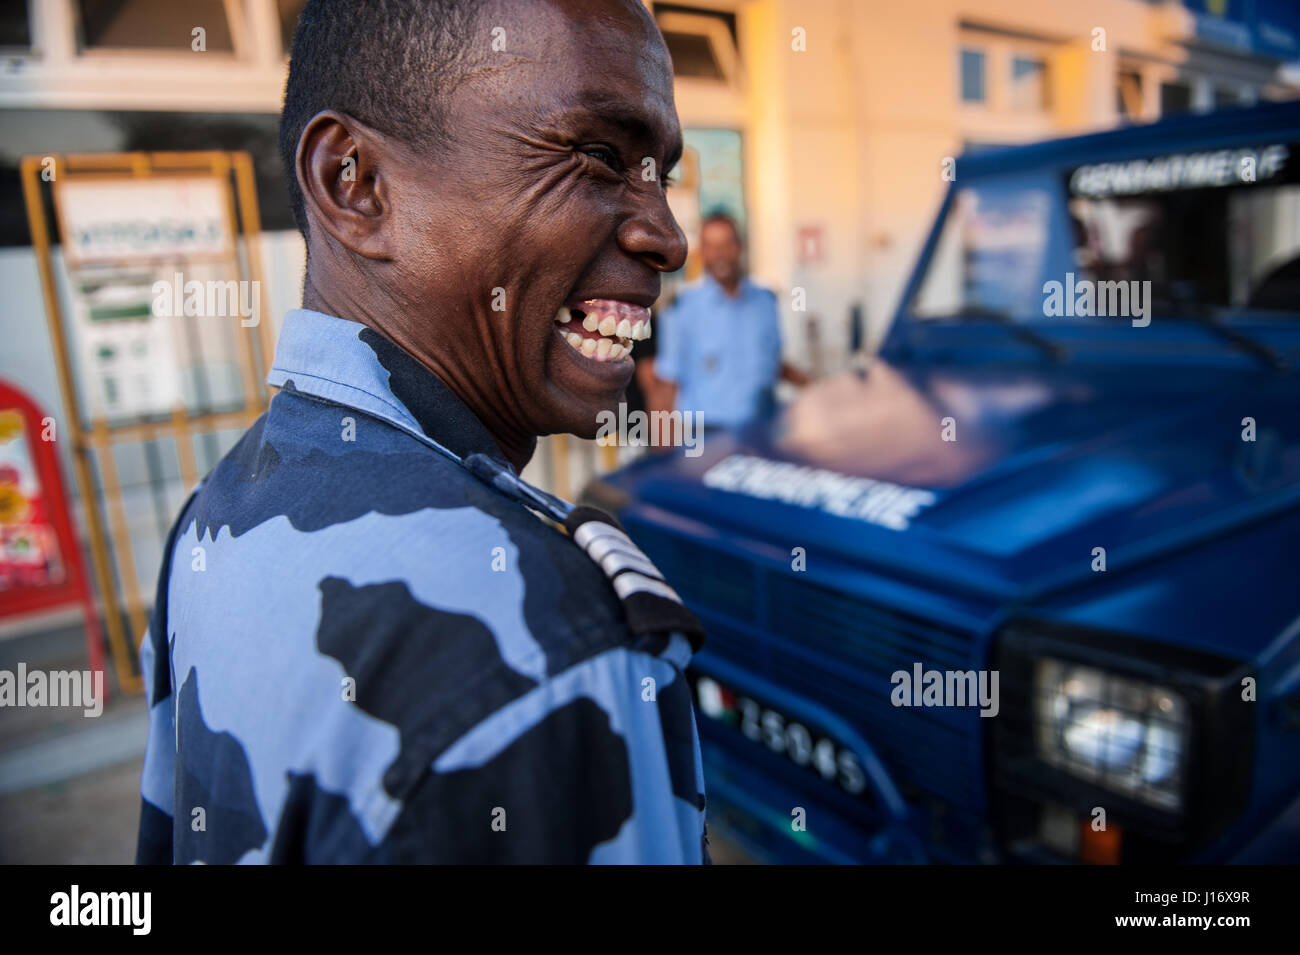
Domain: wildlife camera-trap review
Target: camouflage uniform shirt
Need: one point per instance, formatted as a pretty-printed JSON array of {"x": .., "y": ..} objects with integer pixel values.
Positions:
[{"x": 360, "y": 652}]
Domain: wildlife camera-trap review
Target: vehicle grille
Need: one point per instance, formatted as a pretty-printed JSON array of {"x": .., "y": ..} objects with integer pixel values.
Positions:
[{"x": 835, "y": 649}]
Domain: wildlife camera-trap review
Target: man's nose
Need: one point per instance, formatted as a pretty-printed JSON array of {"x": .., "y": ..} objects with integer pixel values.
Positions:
[{"x": 652, "y": 235}]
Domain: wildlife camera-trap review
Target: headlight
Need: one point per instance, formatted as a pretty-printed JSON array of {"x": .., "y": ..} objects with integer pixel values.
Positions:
[
  {"x": 1123, "y": 734},
  {"x": 1157, "y": 735}
]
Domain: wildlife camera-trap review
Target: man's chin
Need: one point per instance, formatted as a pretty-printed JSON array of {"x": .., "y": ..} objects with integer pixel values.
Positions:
[
  {"x": 580, "y": 390},
  {"x": 583, "y": 410},
  {"x": 580, "y": 403},
  {"x": 585, "y": 419}
]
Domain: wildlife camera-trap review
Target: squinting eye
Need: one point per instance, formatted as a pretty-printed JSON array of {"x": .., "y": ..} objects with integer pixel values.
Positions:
[{"x": 604, "y": 154}]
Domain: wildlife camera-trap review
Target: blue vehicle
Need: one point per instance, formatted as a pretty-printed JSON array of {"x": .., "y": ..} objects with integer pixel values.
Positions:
[{"x": 1025, "y": 587}]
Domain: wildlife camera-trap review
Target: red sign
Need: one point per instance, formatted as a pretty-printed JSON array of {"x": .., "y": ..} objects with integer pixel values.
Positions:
[
  {"x": 29, "y": 546},
  {"x": 40, "y": 560}
]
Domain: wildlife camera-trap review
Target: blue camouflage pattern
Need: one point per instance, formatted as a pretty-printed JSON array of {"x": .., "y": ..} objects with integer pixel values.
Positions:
[{"x": 360, "y": 653}]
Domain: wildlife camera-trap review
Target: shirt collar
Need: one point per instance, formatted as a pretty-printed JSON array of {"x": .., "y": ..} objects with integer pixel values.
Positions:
[
  {"x": 742, "y": 289},
  {"x": 351, "y": 364}
]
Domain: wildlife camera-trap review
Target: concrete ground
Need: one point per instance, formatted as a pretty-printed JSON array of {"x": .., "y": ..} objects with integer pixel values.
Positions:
[
  {"x": 88, "y": 820},
  {"x": 69, "y": 784}
]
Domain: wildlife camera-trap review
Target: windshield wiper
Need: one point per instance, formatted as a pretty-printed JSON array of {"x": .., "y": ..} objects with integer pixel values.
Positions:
[
  {"x": 1204, "y": 315},
  {"x": 1054, "y": 350}
]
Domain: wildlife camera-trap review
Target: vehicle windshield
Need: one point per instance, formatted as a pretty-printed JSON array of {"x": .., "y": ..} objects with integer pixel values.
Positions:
[{"x": 1215, "y": 231}]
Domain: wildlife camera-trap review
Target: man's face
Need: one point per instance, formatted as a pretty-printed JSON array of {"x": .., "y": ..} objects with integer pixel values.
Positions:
[
  {"x": 720, "y": 252},
  {"x": 549, "y": 193}
]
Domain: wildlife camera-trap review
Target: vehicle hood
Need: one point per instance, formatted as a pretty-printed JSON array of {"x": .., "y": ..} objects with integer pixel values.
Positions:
[{"x": 1000, "y": 481}]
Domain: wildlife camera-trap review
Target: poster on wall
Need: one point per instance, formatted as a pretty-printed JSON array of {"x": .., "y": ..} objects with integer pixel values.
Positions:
[
  {"x": 684, "y": 201},
  {"x": 709, "y": 179},
  {"x": 721, "y": 171},
  {"x": 132, "y": 247}
]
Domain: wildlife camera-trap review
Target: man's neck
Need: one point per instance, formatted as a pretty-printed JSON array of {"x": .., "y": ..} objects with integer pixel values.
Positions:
[
  {"x": 517, "y": 447},
  {"x": 731, "y": 290}
]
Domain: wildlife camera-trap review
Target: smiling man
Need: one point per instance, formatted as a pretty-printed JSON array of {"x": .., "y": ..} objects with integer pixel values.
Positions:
[{"x": 372, "y": 641}]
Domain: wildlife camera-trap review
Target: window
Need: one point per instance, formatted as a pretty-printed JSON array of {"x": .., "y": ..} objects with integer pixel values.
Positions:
[
  {"x": 15, "y": 27},
  {"x": 1028, "y": 83},
  {"x": 1175, "y": 98},
  {"x": 1189, "y": 224},
  {"x": 972, "y": 76},
  {"x": 153, "y": 24},
  {"x": 1225, "y": 97},
  {"x": 1128, "y": 95},
  {"x": 989, "y": 256},
  {"x": 1234, "y": 247},
  {"x": 702, "y": 42},
  {"x": 693, "y": 55}
]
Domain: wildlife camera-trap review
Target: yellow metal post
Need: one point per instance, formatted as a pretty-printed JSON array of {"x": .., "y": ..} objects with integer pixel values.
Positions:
[{"x": 102, "y": 438}]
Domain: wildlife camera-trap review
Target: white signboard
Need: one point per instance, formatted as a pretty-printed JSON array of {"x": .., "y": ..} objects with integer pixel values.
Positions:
[
  {"x": 139, "y": 219},
  {"x": 123, "y": 235}
]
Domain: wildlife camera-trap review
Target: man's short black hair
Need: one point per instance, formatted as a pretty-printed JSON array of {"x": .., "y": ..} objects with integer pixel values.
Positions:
[{"x": 389, "y": 63}]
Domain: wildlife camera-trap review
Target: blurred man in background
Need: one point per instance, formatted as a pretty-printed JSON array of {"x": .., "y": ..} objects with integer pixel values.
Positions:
[{"x": 719, "y": 352}]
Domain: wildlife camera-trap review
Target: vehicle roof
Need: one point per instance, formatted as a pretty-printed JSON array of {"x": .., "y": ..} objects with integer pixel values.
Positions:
[{"x": 1223, "y": 128}]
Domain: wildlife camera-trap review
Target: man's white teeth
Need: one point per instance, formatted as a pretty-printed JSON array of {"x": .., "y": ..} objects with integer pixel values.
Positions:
[
  {"x": 611, "y": 326},
  {"x": 598, "y": 349},
  {"x": 616, "y": 330}
]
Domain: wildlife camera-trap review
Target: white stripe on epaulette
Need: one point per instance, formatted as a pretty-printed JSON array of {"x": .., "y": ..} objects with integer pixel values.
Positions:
[
  {"x": 591, "y": 531},
  {"x": 651, "y": 605},
  {"x": 633, "y": 583},
  {"x": 614, "y": 551},
  {"x": 617, "y": 561},
  {"x": 599, "y": 547}
]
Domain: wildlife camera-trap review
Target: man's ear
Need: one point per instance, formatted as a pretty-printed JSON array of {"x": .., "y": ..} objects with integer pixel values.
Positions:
[{"x": 339, "y": 165}]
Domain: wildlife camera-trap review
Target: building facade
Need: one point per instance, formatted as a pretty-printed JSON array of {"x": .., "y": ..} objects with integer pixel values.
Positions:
[{"x": 830, "y": 128}]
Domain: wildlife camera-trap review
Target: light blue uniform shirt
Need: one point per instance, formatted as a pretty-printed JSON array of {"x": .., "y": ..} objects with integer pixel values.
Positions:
[
  {"x": 361, "y": 652},
  {"x": 723, "y": 353}
]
